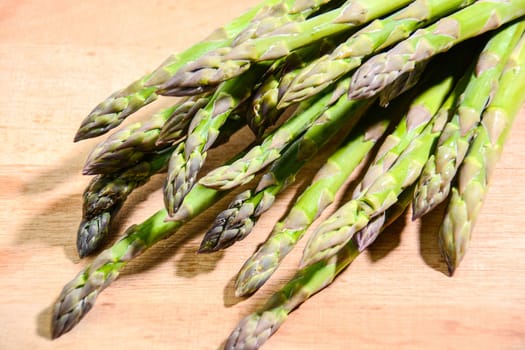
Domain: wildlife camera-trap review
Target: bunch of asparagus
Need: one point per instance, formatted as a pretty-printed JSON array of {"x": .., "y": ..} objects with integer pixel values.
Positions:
[{"x": 362, "y": 78}]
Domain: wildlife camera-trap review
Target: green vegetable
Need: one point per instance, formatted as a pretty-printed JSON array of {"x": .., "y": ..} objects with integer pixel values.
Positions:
[
  {"x": 474, "y": 20},
  {"x": 479, "y": 163}
]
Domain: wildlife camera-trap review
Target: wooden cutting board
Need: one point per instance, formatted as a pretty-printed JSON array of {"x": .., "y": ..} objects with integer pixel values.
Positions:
[{"x": 58, "y": 59}]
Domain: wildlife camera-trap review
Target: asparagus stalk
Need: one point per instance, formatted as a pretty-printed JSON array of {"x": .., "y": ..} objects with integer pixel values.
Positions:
[
  {"x": 439, "y": 171},
  {"x": 287, "y": 233},
  {"x": 237, "y": 221},
  {"x": 480, "y": 161},
  {"x": 243, "y": 170},
  {"x": 189, "y": 156},
  {"x": 378, "y": 35},
  {"x": 338, "y": 229},
  {"x": 271, "y": 148},
  {"x": 79, "y": 295},
  {"x": 104, "y": 197},
  {"x": 113, "y": 110},
  {"x": 280, "y": 15},
  {"x": 478, "y": 18},
  {"x": 253, "y": 331},
  {"x": 226, "y": 63},
  {"x": 312, "y": 202}
]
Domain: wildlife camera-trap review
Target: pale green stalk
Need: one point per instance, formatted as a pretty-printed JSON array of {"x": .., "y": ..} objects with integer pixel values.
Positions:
[
  {"x": 254, "y": 330},
  {"x": 473, "y": 179},
  {"x": 438, "y": 173},
  {"x": 420, "y": 112},
  {"x": 79, "y": 295}
]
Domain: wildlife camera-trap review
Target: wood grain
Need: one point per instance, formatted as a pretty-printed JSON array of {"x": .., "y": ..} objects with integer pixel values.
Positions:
[{"x": 58, "y": 59}]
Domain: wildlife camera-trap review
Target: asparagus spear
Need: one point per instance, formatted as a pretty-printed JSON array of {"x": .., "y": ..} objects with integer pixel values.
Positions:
[
  {"x": 237, "y": 221},
  {"x": 478, "y": 18},
  {"x": 189, "y": 156},
  {"x": 128, "y": 146},
  {"x": 434, "y": 184},
  {"x": 312, "y": 202},
  {"x": 243, "y": 170},
  {"x": 378, "y": 35},
  {"x": 339, "y": 228},
  {"x": 286, "y": 11},
  {"x": 255, "y": 329},
  {"x": 480, "y": 161},
  {"x": 113, "y": 110},
  {"x": 79, "y": 295},
  {"x": 226, "y": 63},
  {"x": 271, "y": 148},
  {"x": 104, "y": 197}
]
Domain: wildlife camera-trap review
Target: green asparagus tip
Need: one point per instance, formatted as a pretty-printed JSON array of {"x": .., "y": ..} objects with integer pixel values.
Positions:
[
  {"x": 62, "y": 323},
  {"x": 91, "y": 232},
  {"x": 89, "y": 131}
]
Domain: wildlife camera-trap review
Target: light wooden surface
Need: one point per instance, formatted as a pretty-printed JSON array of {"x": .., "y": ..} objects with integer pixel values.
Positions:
[{"x": 57, "y": 60}]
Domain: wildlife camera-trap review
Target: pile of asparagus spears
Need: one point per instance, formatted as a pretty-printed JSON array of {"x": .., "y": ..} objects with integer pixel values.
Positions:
[{"x": 420, "y": 95}]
